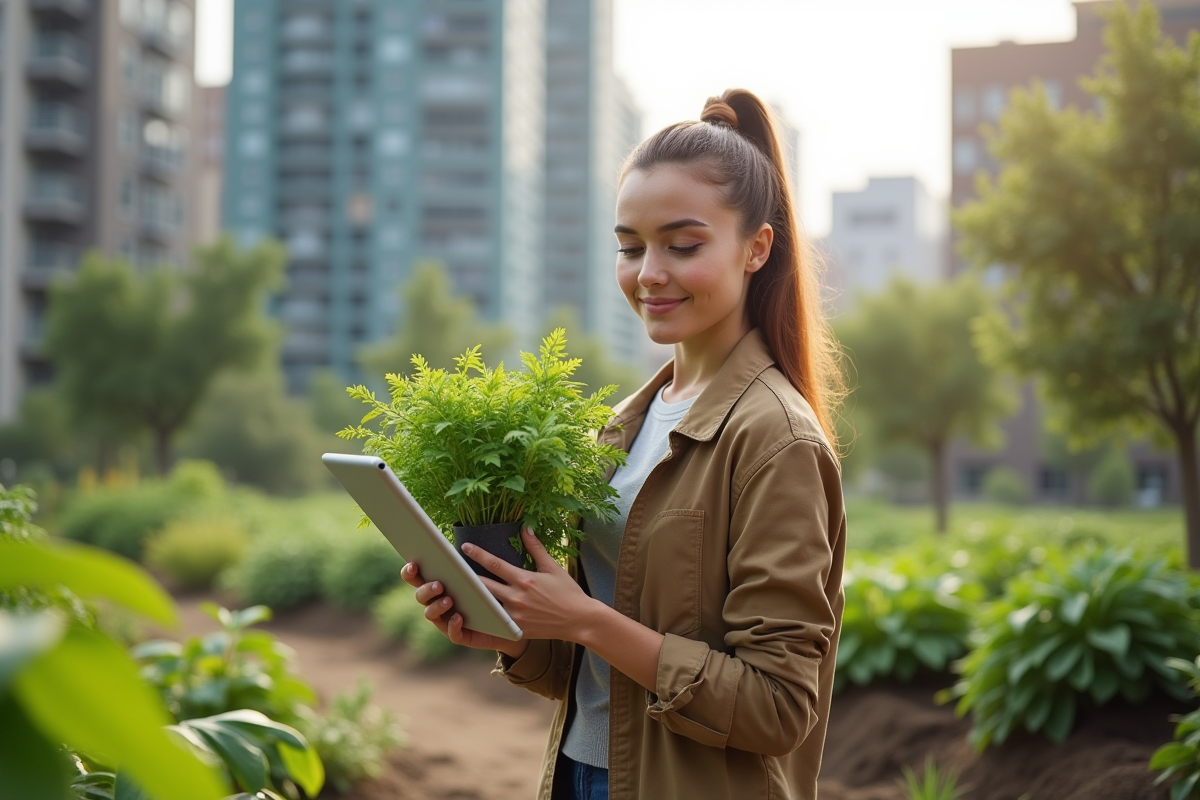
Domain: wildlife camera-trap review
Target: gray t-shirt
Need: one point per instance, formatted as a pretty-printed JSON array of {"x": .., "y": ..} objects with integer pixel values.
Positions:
[{"x": 587, "y": 739}]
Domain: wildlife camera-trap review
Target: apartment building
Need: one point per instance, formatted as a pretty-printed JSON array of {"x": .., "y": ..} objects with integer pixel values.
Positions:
[
  {"x": 96, "y": 116},
  {"x": 372, "y": 135}
]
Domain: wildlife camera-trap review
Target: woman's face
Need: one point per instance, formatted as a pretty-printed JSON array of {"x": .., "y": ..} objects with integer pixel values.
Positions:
[{"x": 683, "y": 264}]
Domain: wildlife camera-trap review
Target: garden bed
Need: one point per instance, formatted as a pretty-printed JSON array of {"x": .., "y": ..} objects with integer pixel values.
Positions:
[{"x": 473, "y": 737}]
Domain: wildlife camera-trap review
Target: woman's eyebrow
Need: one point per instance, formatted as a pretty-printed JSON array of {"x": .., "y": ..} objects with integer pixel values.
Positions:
[{"x": 670, "y": 226}]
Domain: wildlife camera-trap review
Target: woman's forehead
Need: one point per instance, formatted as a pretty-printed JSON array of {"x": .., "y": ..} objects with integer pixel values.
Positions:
[{"x": 665, "y": 193}]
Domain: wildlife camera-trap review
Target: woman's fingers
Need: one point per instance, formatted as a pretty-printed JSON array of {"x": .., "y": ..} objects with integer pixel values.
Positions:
[
  {"x": 411, "y": 574},
  {"x": 544, "y": 561},
  {"x": 427, "y": 592},
  {"x": 494, "y": 564},
  {"x": 437, "y": 609}
]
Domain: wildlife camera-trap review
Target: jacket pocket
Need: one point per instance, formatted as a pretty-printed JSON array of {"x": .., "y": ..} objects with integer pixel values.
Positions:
[{"x": 671, "y": 550}]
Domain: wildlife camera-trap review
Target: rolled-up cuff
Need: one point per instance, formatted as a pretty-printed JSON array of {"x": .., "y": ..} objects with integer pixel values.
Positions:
[
  {"x": 533, "y": 665},
  {"x": 680, "y": 662}
]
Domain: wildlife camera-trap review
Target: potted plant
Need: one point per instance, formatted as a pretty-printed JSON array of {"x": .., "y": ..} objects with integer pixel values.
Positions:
[{"x": 485, "y": 451}]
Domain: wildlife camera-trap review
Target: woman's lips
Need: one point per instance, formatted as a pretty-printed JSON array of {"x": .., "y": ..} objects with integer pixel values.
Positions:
[{"x": 655, "y": 305}]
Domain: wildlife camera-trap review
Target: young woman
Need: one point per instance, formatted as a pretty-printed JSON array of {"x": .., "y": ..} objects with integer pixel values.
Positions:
[{"x": 692, "y": 646}]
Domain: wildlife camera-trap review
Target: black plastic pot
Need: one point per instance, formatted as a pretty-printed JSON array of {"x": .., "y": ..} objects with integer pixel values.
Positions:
[{"x": 492, "y": 538}]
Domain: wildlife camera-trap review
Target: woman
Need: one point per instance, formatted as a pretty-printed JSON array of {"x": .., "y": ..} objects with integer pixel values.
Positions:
[{"x": 716, "y": 597}]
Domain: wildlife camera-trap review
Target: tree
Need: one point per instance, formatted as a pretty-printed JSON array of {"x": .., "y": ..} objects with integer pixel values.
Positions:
[
  {"x": 1097, "y": 219},
  {"x": 920, "y": 379},
  {"x": 138, "y": 351},
  {"x": 249, "y": 427},
  {"x": 436, "y": 324}
]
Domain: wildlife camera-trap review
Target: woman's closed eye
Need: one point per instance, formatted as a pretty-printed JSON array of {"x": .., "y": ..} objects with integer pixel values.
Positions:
[{"x": 684, "y": 251}]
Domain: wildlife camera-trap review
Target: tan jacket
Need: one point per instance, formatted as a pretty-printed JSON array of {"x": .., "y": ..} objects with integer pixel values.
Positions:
[{"x": 733, "y": 550}]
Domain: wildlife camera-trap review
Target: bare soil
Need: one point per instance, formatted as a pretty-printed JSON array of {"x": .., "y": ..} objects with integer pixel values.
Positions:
[{"x": 472, "y": 736}]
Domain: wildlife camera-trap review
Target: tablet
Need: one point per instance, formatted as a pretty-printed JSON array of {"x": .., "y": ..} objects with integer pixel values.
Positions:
[{"x": 384, "y": 500}]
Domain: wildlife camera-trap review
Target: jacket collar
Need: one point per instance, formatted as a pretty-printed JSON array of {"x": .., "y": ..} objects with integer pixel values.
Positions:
[{"x": 747, "y": 361}]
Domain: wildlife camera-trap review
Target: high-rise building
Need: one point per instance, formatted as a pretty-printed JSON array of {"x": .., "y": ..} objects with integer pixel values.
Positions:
[
  {"x": 591, "y": 125},
  {"x": 892, "y": 227},
  {"x": 370, "y": 135},
  {"x": 981, "y": 80},
  {"x": 210, "y": 171},
  {"x": 96, "y": 104}
]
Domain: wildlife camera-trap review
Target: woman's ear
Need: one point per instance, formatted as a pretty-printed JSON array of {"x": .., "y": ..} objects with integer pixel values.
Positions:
[{"x": 758, "y": 249}]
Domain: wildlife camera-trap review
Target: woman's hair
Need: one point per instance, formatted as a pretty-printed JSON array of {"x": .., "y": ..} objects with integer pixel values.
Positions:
[{"x": 736, "y": 147}]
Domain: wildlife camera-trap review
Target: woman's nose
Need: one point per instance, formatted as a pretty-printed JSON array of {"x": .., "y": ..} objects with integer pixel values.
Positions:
[{"x": 653, "y": 271}]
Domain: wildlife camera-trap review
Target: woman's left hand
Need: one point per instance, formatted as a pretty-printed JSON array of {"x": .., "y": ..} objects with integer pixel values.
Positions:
[{"x": 547, "y": 604}]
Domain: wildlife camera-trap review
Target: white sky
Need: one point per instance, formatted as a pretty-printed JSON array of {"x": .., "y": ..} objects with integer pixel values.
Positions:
[{"x": 866, "y": 81}]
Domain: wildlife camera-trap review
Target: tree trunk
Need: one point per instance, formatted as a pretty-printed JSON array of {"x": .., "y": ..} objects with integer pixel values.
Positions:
[
  {"x": 1185, "y": 442},
  {"x": 162, "y": 450},
  {"x": 937, "y": 476}
]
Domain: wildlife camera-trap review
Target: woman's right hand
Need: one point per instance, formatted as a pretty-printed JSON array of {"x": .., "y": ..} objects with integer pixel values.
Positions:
[{"x": 439, "y": 610}]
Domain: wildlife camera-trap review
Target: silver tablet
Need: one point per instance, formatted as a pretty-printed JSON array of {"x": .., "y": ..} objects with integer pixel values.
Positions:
[{"x": 383, "y": 498}]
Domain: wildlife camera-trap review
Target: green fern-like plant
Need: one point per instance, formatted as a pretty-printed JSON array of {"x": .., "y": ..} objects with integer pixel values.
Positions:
[{"x": 477, "y": 446}]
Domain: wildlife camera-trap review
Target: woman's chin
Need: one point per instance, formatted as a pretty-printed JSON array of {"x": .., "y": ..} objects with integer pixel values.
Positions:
[{"x": 661, "y": 333}]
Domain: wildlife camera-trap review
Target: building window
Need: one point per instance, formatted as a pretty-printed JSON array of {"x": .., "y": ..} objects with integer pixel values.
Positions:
[
  {"x": 873, "y": 218},
  {"x": 964, "y": 107},
  {"x": 129, "y": 65},
  {"x": 1054, "y": 93},
  {"x": 966, "y": 159},
  {"x": 128, "y": 197},
  {"x": 127, "y": 131},
  {"x": 970, "y": 478},
  {"x": 1053, "y": 482},
  {"x": 994, "y": 100},
  {"x": 1151, "y": 485}
]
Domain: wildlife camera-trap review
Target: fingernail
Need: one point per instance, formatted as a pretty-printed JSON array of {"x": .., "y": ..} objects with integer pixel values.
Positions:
[
  {"x": 468, "y": 548},
  {"x": 445, "y": 601},
  {"x": 437, "y": 587}
]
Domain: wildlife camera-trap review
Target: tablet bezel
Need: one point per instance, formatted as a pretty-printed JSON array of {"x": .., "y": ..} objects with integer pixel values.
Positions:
[{"x": 412, "y": 533}]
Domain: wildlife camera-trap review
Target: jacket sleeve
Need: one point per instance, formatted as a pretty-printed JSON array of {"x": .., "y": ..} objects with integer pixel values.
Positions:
[
  {"x": 544, "y": 668},
  {"x": 761, "y": 693}
]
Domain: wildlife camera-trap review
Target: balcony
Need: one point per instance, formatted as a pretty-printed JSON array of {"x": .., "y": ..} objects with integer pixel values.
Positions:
[
  {"x": 307, "y": 62},
  {"x": 73, "y": 10},
  {"x": 56, "y": 128},
  {"x": 292, "y": 189},
  {"x": 166, "y": 42},
  {"x": 55, "y": 197},
  {"x": 57, "y": 58},
  {"x": 48, "y": 261},
  {"x": 162, "y": 163}
]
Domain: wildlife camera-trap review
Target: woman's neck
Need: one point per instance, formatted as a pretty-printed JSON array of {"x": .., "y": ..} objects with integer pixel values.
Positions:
[{"x": 700, "y": 358}]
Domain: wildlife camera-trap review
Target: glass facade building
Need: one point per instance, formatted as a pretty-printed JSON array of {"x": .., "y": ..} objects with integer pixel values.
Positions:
[{"x": 373, "y": 135}]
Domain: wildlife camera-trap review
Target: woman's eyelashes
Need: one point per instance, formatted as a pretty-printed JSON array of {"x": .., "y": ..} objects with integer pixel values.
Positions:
[{"x": 629, "y": 252}]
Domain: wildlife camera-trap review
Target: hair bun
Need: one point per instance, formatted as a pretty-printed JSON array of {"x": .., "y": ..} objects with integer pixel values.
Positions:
[{"x": 718, "y": 112}]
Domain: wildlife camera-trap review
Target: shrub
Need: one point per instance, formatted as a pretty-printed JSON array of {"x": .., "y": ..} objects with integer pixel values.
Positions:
[
  {"x": 227, "y": 670},
  {"x": 1102, "y": 626},
  {"x": 360, "y": 569},
  {"x": 402, "y": 619},
  {"x": 193, "y": 552},
  {"x": 121, "y": 520},
  {"x": 896, "y": 620},
  {"x": 352, "y": 737},
  {"x": 1006, "y": 485},
  {"x": 1112, "y": 482},
  {"x": 1181, "y": 758},
  {"x": 279, "y": 570}
]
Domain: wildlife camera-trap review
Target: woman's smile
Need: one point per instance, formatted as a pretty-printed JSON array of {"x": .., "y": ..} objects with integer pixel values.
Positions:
[{"x": 661, "y": 305}]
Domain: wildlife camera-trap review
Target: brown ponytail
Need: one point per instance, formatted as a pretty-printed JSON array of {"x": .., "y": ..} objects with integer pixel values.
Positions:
[{"x": 735, "y": 145}]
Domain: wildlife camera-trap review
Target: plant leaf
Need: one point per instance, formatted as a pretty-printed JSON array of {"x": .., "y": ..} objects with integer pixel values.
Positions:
[
  {"x": 1114, "y": 640},
  {"x": 305, "y": 767},
  {"x": 86, "y": 571},
  {"x": 23, "y": 637}
]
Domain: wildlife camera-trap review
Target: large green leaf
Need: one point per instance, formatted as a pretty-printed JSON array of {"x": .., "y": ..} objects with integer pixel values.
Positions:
[
  {"x": 86, "y": 692},
  {"x": 86, "y": 571},
  {"x": 1114, "y": 640},
  {"x": 23, "y": 637},
  {"x": 305, "y": 767},
  {"x": 30, "y": 765}
]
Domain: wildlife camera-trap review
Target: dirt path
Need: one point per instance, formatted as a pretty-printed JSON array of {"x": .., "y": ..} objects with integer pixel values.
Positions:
[{"x": 471, "y": 735}]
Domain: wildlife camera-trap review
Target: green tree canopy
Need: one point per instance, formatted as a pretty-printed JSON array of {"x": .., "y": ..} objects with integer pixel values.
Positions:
[
  {"x": 920, "y": 379},
  {"x": 435, "y": 323},
  {"x": 1097, "y": 219},
  {"x": 136, "y": 351}
]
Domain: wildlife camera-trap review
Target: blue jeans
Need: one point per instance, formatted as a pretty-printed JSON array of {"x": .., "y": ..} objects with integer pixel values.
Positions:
[{"x": 587, "y": 782}]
